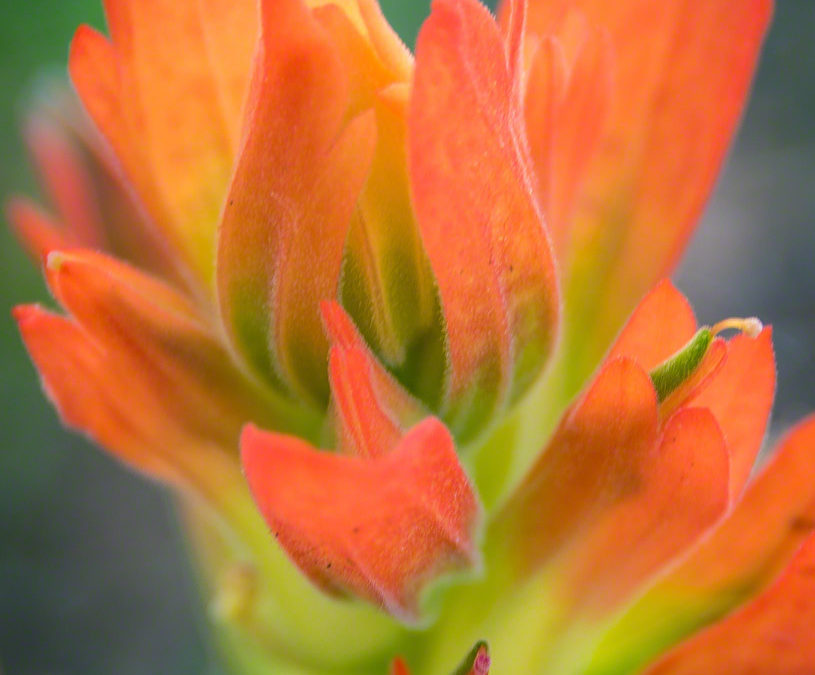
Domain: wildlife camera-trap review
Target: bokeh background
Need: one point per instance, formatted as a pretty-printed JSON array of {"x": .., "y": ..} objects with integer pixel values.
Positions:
[{"x": 93, "y": 578}]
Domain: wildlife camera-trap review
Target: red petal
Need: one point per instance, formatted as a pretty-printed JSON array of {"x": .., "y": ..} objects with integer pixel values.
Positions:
[
  {"x": 682, "y": 70},
  {"x": 772, "y": 634},
  {"x": 37, "y": 232},
  {"x": 367, "y": 428},
  {"x": 291, "y": 199},
  {"x": 474, "y": 199},
  {"x": 593, "y": 462},
  {"x": 775, "y": 514},
  {"x": 399, "y": 667},
  {"x": 136, "y": 367},
  {"x": 69, "y": 185},
  {"x": 741, "y": 396},
  {"x": 566, "y": 106},
  {"x": 749, "y": 549},
  {"x": 359, "y": 381},
  {"x": 679, "y": 491},
  {"x": 660, "y": 326},
  {"x": 96, "y": 391},
  {"x": 379, "y": 528}
]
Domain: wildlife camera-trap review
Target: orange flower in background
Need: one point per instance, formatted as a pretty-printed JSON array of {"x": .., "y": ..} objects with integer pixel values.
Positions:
[{"x": 358, "y": 309}]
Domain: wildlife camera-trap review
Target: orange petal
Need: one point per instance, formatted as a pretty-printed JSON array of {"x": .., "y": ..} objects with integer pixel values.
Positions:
[
  {"x": 35, "y": 229},
  {"x": 378, "y": 528},
  {"x": 679, "y": 490},
  {"x": 367, "y": 428},
  {"x": 746, "y": 551},
  {"x": 741, "y": 396},
  {"x": 95, "y": 205},
  {"x": 373, "y": 410},
  {"x": 474, "y": 199},
  {"x": 291, "y": 199},
  {"x": 399, "y": 667},
  {"x": 96, "y": 391},
  {"x": 681, "y": 71},
  {"x": 163, "y": 113},
  {"x": 660, "y": 326},
  {"x": 69, "y": 185},
  {"x": 136, "y": 366},
  {"x": 365, "y": 71},
  {"x": 594, "y": 461},
  {"x": 566, "y": 106},
  {"x": 775, "y": 514},
  {"x": 545, "y": 89},
  {"x": 385, "y": 40},
  {"x": 231, "y": 32},
  {"x": 772, "y": 634}
]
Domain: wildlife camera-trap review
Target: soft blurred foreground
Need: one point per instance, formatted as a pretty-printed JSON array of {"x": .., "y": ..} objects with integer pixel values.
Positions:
[{"x": 93, "y": 575}]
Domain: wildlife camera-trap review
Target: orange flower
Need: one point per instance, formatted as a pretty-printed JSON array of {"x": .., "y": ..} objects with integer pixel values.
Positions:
[{"x": 377, "y": 285}]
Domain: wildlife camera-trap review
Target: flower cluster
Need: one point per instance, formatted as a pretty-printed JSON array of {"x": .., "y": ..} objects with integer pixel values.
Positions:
[{"x": 395, "y": 329}]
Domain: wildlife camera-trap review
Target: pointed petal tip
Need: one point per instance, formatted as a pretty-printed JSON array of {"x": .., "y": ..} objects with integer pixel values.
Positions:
[
  {"x": 380, "y": 529},
  {"x": 24, "y": 314},
  {"x": 399, "y": 667},
  {"x": 34, "y": 228},
  {"x": 338, "y": 325},
  {"x": 477, "y": 661}
]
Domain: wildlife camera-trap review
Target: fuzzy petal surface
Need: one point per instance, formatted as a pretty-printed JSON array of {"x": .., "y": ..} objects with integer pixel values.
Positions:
[{"x": 474, "y": 197}]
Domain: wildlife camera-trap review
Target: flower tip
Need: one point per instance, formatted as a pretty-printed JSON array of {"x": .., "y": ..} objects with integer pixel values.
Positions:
[
  {"x": 477, "y": 662},
  {"x": 481, "y": 666},
  {"x": 55, "y": 260},
  {"x": 338, "y": 325},
  {"x": 399, "y": 667},
  {"x": 248, "y": 434},
  {"x": 23, "y": 313},
  {"x": 751, "y": 326}
]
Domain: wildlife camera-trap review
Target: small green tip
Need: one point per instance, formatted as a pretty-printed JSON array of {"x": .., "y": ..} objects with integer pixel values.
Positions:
[
  {"x": 477, "y": 661},
  {"x": 671, "y": 373}
]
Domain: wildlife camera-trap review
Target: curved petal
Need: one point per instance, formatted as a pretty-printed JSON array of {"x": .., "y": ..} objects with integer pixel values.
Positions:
[
  {"x": 566, "y": 105},
  {"x": 594, "y": 461},
  {"x": 35, "y": 229},
  {"x": 682, "y": 70},
  {"x": 373, "y": 411},
  {"x": 772, "y": 634},
  {"x": 391, "y": 512},
  {"x": 746, "y": 551},
  {"x": 660, "y": 326},
  {"x": 170, "y": 100},
  {"x": 681, "y": 490},
  {"x": 69, "y": 186},
  {"x": 135, "y": 367},
  {"x": 95, "y": 392},
  {"x": 740, "y": 395},
  {"x": 298, "y": 177},
  {"x": 475, "y": 203},
  {"x": 95, "y": 207},
  {"x": 379, "y": 528}
]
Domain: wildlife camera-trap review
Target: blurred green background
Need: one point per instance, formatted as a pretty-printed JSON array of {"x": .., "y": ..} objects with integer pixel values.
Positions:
[{"x": 92, "y": 574}]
